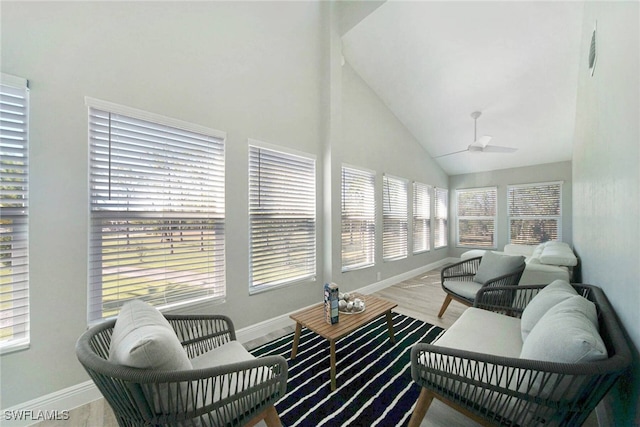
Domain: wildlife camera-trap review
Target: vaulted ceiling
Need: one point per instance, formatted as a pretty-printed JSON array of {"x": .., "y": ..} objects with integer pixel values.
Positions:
[{"x": 434, "y": 63}]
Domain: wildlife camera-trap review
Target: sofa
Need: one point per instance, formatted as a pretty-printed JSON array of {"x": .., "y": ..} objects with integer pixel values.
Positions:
[
  {"x": 524, "y": 355},
  {"x": 545, "y": 262}
]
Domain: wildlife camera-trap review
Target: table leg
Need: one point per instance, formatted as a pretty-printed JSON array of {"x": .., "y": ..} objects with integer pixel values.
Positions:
[
  {"x": 296, "y": 341},
  {"x": 392, "y": 338},
  {"x": 333, "y": 364}
]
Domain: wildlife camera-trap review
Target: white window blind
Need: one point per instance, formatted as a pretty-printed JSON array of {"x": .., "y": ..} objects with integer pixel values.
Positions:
[
  {"x": 157, "y": 212},
  {"x": 535, "y": 212},
  {"x": 441, "y": 214},
  {"x": 395, "y": 218},
  {"x": 476, "y": 213},
  {"x": 358, "y": 218},
  {"x": 14, "y": 209},
  {"x": 421, "y": 217},
  {"x": 282, "y": 213}
]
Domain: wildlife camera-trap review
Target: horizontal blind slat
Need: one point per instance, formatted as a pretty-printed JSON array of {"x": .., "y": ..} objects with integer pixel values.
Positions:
[
  {"x": 282, "y": 215},
  {"x": 476, "y": 215},
  {"x": 157, "y": 213},
  {"x": 14, "y": 214},
  {"x": 535, "y": 212},
  {"x": 421, "y": 217},
  {"x": 358, "y": 218},
  {"x": 441, "y": 217},
  {"x": 395, "y": 219}
]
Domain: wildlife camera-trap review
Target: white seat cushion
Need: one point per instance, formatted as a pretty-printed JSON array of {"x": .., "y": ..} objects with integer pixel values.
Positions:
[
  {"x": 540, "y": 274},
  {"x": 231, "y": 352},
  {"x": 484, "y": 331},
  {"x": 465, "y": 289},
  {"x": 231, "y": 384}
]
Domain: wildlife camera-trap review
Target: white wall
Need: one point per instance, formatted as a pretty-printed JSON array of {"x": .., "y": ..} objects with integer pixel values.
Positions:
[
  {"x": 373, "y": 138},
  {"x": 253, "y": 70},
  {"x": 551, "y": 172},
  {"x": 606, "y": 177},
  {"x": 269, "y": 71}
]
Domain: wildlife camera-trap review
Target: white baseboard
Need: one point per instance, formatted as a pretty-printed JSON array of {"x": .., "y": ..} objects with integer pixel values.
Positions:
[
  {"x": 51, "y": 406},
  {"x": 404, "y": 276},
  {"x": 72, "y": 397},
  {"x": 264, "y": 328}
]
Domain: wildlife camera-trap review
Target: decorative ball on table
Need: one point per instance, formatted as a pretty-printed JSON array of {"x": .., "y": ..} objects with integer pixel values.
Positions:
[{"x": 349, "y": 304}]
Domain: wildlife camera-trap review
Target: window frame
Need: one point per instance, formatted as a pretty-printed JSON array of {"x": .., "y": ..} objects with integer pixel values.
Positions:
[
  {"x": 15, "y": 120},
  {"x": 441, "y": 218},
  {"x": 557, "y": 218},
  {"x": 493, "y": 218},
  {"x": 311, "y": 209},
  {"x": 422, "y": 216},
  {"x": 365, "y": 211},
  {"x": 154, "y": 204}
]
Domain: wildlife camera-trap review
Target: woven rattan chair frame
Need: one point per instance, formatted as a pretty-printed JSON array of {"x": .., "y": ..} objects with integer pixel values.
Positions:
[
  {"x": 465, "y": 271},
  {"x": 518, "y": 392},
  {"x": 237, "y": 394}
]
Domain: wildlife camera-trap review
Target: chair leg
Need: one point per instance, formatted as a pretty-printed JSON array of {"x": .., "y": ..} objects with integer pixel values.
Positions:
[
  {"x": 271, "y": 418},
  {"x": 422, "y": 405},
  {"x": 445, "y": 304}
]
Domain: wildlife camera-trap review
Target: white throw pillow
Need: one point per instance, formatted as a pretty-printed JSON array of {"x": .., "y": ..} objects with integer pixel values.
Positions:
[
  {"x": 558, "y": 253},
  {"x": 567, "y": 333},
  {"x": 552, "y": 294},
  {"x": 143, "y": 338}
]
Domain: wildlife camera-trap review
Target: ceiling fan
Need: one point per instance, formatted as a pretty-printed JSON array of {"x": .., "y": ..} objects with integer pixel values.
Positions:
[{"x": 480, "y": 145}]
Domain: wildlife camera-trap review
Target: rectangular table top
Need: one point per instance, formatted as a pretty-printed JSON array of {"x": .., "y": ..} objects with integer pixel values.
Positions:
[{"x": 313, "y": 317}]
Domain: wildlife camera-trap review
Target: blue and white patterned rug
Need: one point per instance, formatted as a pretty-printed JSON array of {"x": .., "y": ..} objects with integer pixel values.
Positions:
[{"x": 374, "y": 386}]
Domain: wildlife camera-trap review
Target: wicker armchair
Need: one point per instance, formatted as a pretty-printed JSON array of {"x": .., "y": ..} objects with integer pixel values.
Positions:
[
  {"x": 237, "y": 394},
  {"x": 457, "y": 281},
  {"x": 511, "y": 391}
]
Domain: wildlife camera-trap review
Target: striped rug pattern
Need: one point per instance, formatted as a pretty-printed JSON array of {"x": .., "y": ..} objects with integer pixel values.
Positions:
[{"x": 373, "y": 376}]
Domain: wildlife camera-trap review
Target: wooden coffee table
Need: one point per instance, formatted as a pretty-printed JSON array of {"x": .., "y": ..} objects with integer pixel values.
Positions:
[{"x": 313, "y": 319}]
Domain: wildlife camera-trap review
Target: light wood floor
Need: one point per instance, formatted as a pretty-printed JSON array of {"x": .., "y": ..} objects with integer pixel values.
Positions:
[{"x": 419, "y": 297}]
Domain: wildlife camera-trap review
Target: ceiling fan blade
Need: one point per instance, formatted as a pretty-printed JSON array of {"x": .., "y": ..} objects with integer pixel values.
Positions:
[
  {"x": 498, "y": 149},
  {"x": 449, "y": 154}
]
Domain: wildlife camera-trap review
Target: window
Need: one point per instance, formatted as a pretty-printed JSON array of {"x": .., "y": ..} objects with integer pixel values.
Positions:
[
  {"x": 157, "y": 210},
  {"x": 14, "y": 210},
  {"x": 441, "y": 212},
  {"x": 282, "y": 214},
  {"x": 476, "y": 212},
  {"x": 421, "y": 217},
  {"x": 358, "y": 218},
  {"x": 395, "y": 218},
  {"x": 535, "y": 212}
]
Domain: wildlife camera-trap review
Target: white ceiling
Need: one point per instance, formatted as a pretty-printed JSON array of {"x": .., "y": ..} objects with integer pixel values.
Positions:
[{"x": 434, "y": 63}]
